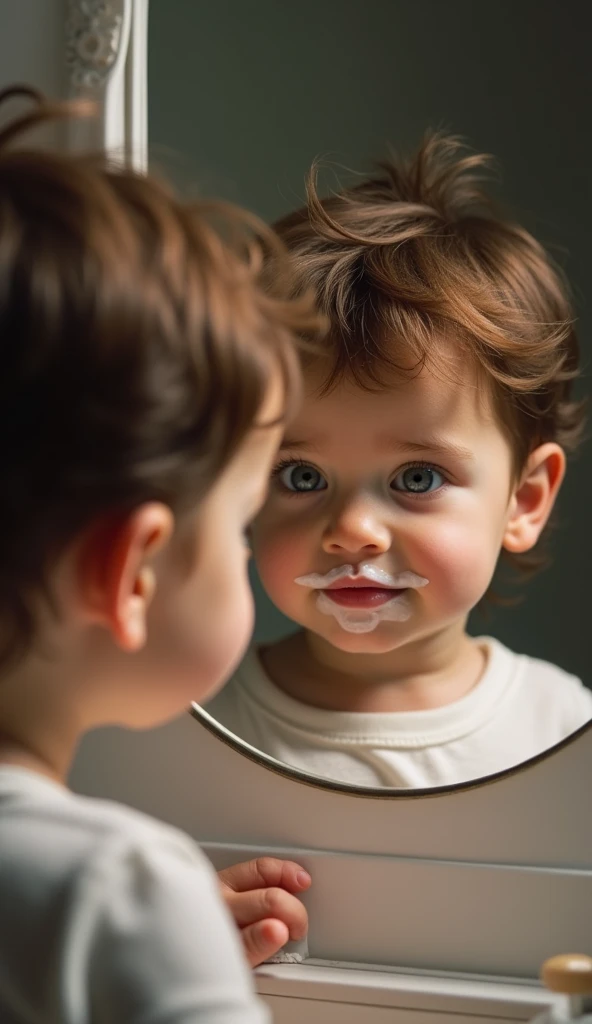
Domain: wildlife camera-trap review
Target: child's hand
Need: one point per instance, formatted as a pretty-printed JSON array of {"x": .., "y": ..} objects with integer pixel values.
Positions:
[{"x": 261, "y": 896}]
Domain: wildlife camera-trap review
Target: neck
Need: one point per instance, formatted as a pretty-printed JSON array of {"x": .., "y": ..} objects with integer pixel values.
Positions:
[
  {"x": 39, "y": 719},
  {"x": 427, "y": 673},
  {"x": 35, "y": 757}
]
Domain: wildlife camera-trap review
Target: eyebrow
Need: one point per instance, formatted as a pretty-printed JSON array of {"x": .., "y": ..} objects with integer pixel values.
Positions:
[
  {"x": 290, "y": 442},
  {"x": 439, "y": 446},
  {"x": 435, "y": 446}
]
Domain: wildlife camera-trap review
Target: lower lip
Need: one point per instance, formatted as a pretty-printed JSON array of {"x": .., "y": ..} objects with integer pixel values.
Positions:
[{"x": 362, "y": 597}]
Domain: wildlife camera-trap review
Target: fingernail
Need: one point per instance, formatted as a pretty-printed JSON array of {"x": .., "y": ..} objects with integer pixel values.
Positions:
[{"x": 303, "y": 878}]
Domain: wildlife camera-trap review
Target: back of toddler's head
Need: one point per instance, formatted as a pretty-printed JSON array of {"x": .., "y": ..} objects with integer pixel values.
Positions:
[{"x": 137, "y": 346}]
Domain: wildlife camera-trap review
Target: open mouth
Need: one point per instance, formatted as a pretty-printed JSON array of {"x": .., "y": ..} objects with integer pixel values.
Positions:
[{"x": 363, "y": 597}]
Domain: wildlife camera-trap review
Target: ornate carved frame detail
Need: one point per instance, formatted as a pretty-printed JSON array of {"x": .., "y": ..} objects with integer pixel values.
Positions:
[{"x": 106, "y": 59}]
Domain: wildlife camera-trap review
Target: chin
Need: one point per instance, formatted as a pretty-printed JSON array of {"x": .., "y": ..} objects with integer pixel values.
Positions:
[
  {"x": 379, "y": 641},
  {"x": 151, "y": 719}
]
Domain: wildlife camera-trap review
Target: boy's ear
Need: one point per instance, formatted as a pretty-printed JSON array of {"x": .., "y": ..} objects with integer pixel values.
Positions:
[
  {"x": 533, "y": 499},
  {"x": 118, "y": 580}
]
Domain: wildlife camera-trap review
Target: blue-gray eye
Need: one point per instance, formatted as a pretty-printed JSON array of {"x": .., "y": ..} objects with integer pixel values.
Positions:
[
  {"x": 418, "y": 480},
  {"x": 300, "y": 477}
]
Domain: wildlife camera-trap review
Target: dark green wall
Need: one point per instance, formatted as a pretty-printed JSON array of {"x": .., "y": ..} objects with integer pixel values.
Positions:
[{"x": 244, "y": 93}]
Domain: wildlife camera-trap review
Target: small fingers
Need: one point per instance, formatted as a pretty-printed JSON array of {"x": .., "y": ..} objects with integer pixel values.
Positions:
[
  {"x": 264, "y": 939},
  {"x": 266, "y": 871},
  {"x": 260, "y": 904}
]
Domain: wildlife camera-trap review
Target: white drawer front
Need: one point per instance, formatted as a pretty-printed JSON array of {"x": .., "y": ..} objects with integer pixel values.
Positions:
[
  {"x": 286, "y": 1010},
  {"x": 323, "y": 993}
]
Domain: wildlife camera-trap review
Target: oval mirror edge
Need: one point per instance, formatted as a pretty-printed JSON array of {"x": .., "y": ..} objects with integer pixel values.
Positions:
[{"x": 301, "y": 777}]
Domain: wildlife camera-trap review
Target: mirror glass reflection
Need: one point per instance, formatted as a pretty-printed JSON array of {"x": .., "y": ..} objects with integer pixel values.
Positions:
[{"x": 398, "y": 641}]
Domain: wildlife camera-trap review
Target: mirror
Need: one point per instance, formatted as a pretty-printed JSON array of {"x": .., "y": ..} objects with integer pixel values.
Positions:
[{"x": 242, "y": 98}]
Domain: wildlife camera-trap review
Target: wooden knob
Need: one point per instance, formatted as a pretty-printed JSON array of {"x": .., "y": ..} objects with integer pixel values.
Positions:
[{"x": 570, "y": 973}]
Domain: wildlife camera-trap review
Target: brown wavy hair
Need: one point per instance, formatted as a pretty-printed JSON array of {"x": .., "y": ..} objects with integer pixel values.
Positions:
[
  {"x": 417, "y": 257},
  {"x": 137, "y": 345}
]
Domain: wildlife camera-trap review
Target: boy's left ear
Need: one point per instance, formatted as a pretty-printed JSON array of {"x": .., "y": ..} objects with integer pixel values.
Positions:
[
  {"x": 533, "y": 499},
  {"x": 117, "y": 574}
]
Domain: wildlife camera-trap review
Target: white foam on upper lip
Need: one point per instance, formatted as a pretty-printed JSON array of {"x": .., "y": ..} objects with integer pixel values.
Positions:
[
  {"x": 363, "y": 620},
  {"x": 372, "y": 573}
]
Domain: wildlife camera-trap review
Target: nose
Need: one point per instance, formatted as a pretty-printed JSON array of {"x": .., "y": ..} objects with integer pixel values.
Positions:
[{"x": 356, "y": 526}]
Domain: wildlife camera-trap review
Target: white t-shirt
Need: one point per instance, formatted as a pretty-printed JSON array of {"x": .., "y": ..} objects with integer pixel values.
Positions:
[
  {"x": 520, "y": 707},
  {"x": 109, "y": 917}
]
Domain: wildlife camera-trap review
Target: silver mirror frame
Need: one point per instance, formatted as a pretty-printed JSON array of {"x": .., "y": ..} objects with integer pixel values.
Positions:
[{"x": 106, "y": 61}]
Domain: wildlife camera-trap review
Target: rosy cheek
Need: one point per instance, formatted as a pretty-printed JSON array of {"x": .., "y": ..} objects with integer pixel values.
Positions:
[
  {"x": 280, "y": 554},
  {"x": 229, "y": 626},
  {"x": 458, "y": 561}
]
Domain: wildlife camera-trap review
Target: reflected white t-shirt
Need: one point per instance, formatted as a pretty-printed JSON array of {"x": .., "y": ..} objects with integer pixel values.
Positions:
[
  {"x": 520, "y": 707},
  {"x": 109, "y": 917}
]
